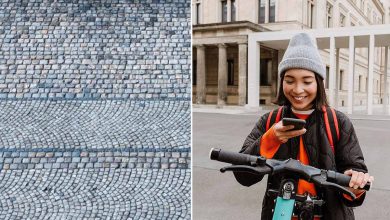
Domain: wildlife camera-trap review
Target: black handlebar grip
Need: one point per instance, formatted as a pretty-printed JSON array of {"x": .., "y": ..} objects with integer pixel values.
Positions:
[
  {"x": 232, "y": 157},
  {"x": 343, "y": 180}
]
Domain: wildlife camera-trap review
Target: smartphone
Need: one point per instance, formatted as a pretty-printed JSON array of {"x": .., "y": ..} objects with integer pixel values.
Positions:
[{"x": 298, "y": 123}]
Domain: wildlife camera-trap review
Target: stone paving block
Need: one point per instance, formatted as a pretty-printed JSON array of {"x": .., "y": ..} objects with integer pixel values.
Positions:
[
  {"x": 6, "y": 166},
  {"x": 35, "y": 160},
  {"x": 40, "y": 154},
  {"x": 73, "y": 165}
]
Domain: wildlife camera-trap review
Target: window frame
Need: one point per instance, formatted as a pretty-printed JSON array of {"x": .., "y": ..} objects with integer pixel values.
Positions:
[
  {"x": 310, "y": 13},
  {"x": 264, "y": 9},
  {"x": 224, "y": 16},
  {"x": 329, "y": 15}
]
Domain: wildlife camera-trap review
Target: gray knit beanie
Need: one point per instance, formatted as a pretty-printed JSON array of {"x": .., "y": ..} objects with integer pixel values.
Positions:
[{"x": 302, "y": 53}]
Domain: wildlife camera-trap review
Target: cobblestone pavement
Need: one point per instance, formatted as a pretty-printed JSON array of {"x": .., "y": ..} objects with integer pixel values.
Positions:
[
  {"x": 95, "y": 109},
  {"x": 95, "y": 49},
  {"x": 95, "y": 124},
  {"x": 97, "y": 159},
  {"x": 95, "y": 194}
]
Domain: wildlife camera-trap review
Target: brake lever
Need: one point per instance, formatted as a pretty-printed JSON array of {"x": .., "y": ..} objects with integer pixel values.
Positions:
[
  {"x": 248, "y": 169},
  {"x": 321, "y": 180}
]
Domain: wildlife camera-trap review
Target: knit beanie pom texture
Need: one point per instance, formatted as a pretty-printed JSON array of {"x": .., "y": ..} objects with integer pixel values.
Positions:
[{"x": 302, "y": 53}]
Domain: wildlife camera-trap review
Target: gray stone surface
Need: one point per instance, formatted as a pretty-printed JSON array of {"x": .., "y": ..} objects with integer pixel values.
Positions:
[
  {"x": 99, "y": 124},
  {"x": 95, "y": 109},
  {"x": 95, "y": 194},
  {"x": 85, "y": 49}
]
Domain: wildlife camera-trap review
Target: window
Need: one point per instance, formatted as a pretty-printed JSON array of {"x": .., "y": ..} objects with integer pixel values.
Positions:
[
  {"x": 197, "y": 13},
  {"x": 271, "y": 11},
  {"x": 224, "y": 11},
  {"x": 228, "y": 10},
  {"x": 329, "y": 15},
  {"x": 230, "y": 72},
  {"x": 194, "y": 69},
  {"x": 310, "y": 13},
  {"x": 360, "y": 83},
  {"x": 233, "y": 10},
  {"x": 342, "y": 20},
  {"x": 341, "y": 81},
  {"x": 261, "y": 11},
  {"x": 377, "y": 86},
  {"x": 366, "y": 89},
  {"x": 264, "y": 79},
  {"x": 327, "y": 78}
]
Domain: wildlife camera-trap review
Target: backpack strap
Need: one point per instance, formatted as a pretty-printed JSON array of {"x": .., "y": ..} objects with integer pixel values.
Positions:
[
  {"x": 331, "y": 125},
  {"x": 274, "y": 117}
]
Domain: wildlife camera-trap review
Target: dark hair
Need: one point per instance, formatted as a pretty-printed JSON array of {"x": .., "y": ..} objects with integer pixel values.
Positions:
[{"x": 318, "y": 102}]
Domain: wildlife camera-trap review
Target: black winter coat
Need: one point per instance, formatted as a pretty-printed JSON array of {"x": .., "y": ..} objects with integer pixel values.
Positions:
[{"x": 348, "y": 155}]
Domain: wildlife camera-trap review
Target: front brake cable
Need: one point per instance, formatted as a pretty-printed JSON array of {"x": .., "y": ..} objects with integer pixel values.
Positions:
[{"x": 262, "y": 170}]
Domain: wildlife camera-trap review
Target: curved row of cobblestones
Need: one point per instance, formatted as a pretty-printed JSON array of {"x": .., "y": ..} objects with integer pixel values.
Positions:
[
  {"x": 95, "y": 124},
  {"x": 95, "y": 194},
  {"x": 112, "y": 158}
]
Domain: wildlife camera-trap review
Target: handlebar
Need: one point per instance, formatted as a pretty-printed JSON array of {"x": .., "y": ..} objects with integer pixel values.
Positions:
[
  {"x": 234, "y": 158},
  {"x": 261, "y": 166}
]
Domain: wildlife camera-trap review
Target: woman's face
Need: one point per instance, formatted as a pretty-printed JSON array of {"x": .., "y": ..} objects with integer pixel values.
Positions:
[{"x": 300, "y": 88}]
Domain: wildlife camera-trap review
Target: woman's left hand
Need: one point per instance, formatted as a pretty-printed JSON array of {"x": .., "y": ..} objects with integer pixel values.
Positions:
[{"x": 358, "y": 180}]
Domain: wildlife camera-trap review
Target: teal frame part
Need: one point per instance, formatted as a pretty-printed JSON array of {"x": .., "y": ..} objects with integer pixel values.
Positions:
[{"x": 283, "y": 209}]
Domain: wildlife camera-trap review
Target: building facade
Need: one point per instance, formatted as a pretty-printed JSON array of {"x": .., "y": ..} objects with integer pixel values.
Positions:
[{"x": 220, "y": 44}]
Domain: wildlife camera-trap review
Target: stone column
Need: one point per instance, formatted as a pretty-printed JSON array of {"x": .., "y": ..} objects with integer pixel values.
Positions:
[
  {"x": 351, "y": 73},
  {"x": 370, "y": 74},
  {"x": 242, "y": 65},
  {"x": 200, "y": 74},
  {"x": 253, "y": 72},
  {"x": 385, "y": 86},
  {"x": 338, "y": 75},
  {"x": 266, "y": 12},
  {"x": 332, "y": 71},
  {"x": 222, "y": 75},
  {"x": 274, "y": 79},
  {"x": 280, "y": 58},
  {"x": 229, "y": 11}
]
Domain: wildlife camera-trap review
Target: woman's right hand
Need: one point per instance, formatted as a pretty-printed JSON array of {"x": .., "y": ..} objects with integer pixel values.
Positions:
[{"x": 283, "y": 133}]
